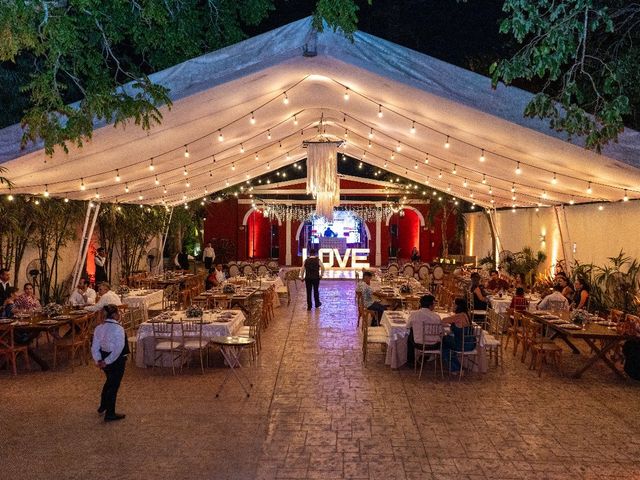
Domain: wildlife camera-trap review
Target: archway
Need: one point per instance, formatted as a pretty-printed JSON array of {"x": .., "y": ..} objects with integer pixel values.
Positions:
[
  {"x": 345, "y": 224},
  {"x": 404, "y": 233},
  {"x": 260, "y": 233}
]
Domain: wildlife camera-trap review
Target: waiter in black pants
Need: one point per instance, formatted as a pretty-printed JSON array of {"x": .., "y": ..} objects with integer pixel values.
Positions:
[
  {"x": 109, "y": 350},
  {"x": 312, "y": 272}
]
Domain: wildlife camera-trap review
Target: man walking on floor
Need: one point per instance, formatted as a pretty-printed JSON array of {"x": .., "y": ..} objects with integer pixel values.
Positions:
[{"x": 312, "y": 271}]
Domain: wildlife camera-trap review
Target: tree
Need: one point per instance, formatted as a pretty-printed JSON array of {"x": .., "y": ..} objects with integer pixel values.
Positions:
[
  {"x": 17, "y": 226},
  {"x": 442, "y": 210},
  {"x": 586, "y": 54},
  {"x": 61, "y": 51}
]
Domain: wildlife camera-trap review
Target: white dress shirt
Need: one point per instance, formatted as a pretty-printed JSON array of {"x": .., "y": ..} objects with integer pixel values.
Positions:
[
  {"x": 419, "y": 319},
  {"x": 109, "y": 298},
  {"x": 83, "y": 298},
  {"x": 209, "y": 252},
  {"x": 108, "y": 337},
  {"x": 220, "y": 276},
  {"x": 99, "y": 261},
  {"x": 554, "y": 297}
]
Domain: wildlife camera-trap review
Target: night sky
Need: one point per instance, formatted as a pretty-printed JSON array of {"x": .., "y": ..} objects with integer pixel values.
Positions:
[{"x": 457, "y": 32}]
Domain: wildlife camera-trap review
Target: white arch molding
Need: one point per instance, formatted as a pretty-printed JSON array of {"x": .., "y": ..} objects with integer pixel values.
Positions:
[
  {"x": 250, "y": 211},
  {"x": 407, "y": 207}
]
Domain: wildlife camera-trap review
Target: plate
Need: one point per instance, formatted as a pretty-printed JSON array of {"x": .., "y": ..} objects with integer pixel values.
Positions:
[
  {"x": 4, "y": 321},
  {"x": 77, "y": 312},
  {"x": 48, "y": 322},
  {"x": 569, "y": 326},
  {"x": 21, "y": 315},
  {"x": 62, "y": 317},
  {"x": 605, "y": 323},
  {"x": 557, "y": 321},
  {"x": 20, "y": 324}
]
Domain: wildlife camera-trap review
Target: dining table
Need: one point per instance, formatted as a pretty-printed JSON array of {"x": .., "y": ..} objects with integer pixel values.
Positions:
[
  {"x": 144, "y": 299},
  {"x": 501, "y": 303},
  {"x": 599, "y": 334},
  {"x": 215, "y": 323},
  {"x": 396, "y": 323}
]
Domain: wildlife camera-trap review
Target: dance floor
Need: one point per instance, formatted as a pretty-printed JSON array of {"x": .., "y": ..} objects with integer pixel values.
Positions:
[{"x": 316, "y": 412}]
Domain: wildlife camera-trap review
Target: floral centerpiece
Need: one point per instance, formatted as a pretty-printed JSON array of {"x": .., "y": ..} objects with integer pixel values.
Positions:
[
  {"x": 229, "y": 288},
  {"x": 122, "y": 290},
  {"x": 406, "y": 288},
  {"x": 194, "y": 312},
  {"x": 52, "y": 309},
  {"x": 580, "y": 316}
]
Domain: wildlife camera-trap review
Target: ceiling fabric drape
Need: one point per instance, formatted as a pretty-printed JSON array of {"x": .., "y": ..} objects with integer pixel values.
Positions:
[{"x": 322, "y": 177}]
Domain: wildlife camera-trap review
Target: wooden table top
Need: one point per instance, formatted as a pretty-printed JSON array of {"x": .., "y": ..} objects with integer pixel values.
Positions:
[
  {"x": 592, "y": 330},
  {"x": 40, "y": 322}
]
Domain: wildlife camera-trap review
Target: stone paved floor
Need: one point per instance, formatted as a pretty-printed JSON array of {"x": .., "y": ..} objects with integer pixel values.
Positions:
[{"x": 316, "y": 412}]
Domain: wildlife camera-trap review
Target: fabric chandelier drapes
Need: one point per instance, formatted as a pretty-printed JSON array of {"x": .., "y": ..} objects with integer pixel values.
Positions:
[{"x": 322, "y": 177}]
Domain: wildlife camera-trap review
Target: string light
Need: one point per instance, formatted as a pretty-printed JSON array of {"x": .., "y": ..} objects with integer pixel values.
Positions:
[
  {"x": 346, "y": 94},
  {"x": 544, "y": 194},
  {"x": 482, "y": 157},
  {"x": 484, "y": 179},
  {"x": 269, "y": 134},
  {"x": 126, "y": 187},
  {"x": 600, "y": 207},
  {"x": 518, "y": 169},
  {"x": 187, "y": 183},
  {"x": 393, "y": 155},
  {"x": 268, "y": 166},
  {"x": 241, "y": 148},
  {"x": 157, "y": 182},
  {"x": 46, "y": 191},
  {"x": 572, "y": 201},
  {"x": 416, "y": 166},
  {"x": 554, "y": 180},
  {"x": 626, "y": 197},
  {"x": 379, "y": 111},
  {"x": 369, "y": 146},
  {"x": 140, "y": 197},
  {"x": 220, "y": 136},
  {"x": 97, "y": 195},
  {"x": 186, "y": 152},
  {"x": 449, "y": 187},
  {"x": 398, "y": 147},
  {"x": 285, "y": 100},
  {"x": 184, "y": 172},
  {"x": 82, "y": 187},
  {"x": 589, "y": 189},
  {"x": 151, "y": 166},
  {"x": 440, "y": 174},
  {"x": 371, "y": 133},
  {"x": 446, "y": 143},
  {"x": 10, "y": 197},
  {"x": 252, "y": 120},
  {"x": 465, "y": 183},
  {"x": 513, "y": 188},
  {"x": 413, "y": 127},
  {"x": 118, "y": 176},
  {"x": 233, "y": 166},
  {"x": 164, "y": 189},
  {"x": 490, "y": 190},
  {"x": 295, "y": 119},
  {"x": 426, "y": 159}
]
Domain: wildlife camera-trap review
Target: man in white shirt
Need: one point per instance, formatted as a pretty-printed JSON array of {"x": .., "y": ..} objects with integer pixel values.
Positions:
[
  {"x": 555, "y": 301},
  {"x": 219, "y": 277},
  {"x": 4, "y": 285},
  {"x": 83, "y": 295},
  {"x": 208, "y": 255},
  {"x": 107, "y": 297},
  {"x": 423, "y": 317}
]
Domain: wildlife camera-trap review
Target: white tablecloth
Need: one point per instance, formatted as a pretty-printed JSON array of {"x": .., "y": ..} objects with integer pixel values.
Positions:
[
  {"x": 395, "y": 323},
  {"x": 144, "y": 299},
  {"x": 277, "y": 282},
  {"x": 500, "y": 305},
  {"x": 145, "y": 343}
]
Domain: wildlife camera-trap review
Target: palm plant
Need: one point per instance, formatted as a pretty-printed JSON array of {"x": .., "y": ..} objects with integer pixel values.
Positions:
[{"x": 441, "y": 211}]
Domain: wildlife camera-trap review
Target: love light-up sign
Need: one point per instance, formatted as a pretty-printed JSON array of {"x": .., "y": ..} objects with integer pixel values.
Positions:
[{"x": 357, "y": 256}]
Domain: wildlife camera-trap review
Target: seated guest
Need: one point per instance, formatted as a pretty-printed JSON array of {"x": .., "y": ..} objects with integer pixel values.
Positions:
[
  {"x": 554, "y": 301},
  {"x": 83, "y": 295},
  {"x": 581, "y": 297},
  {"x": 460, "y": 327},
  {"x": 217, "y": 276},
  {"x": 519, "y": 303},
  {"x": 480, "y": 300},
  {"x": 4, "y": 285},
  {"x": 422, "y": 317},
  {"x": 9, "y": 303},
  {"x": 415, "y": 255},
  {"x": 27, "y": 300},
  {"x": 567, "y": 289},
  {"x": 496, "y": 283},
  {"x": 364, "y": 287},
  {"x": 107, "y": 297}
]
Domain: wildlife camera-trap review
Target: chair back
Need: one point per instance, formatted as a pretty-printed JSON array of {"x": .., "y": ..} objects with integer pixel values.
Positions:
[
  {"x": 616, "y": 315},
  {"x": 273, "y": 266},
  {"x": 192, "y": 328},
  {"x": 247, "y": 270},
  {"x": 393, "y": 269},
  {"x": 438, "y": 273},
  {"x": 557, "y": 305},
  {"x": 431, "y": 330},
  {"x": 423, "y": 272},
  {"x": 408, "y": 270},
  {"x": 263, "y": 270},
  {"x": 6, "y": 337},
  {"x": 234, "y": 270}
]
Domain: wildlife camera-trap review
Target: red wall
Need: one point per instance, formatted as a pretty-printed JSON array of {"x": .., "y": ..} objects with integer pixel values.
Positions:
[{"x": 258, "y": 236}]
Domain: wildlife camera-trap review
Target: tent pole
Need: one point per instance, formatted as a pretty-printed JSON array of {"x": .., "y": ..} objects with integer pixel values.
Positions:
[
  {"x": 78, "y": 264},
  {"x": 86, "y": 241},
  {"x": 164, "y": 241}
]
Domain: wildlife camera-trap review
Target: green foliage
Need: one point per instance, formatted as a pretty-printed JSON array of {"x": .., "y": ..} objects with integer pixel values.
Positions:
[
  {"x": 338, "y": 14},
  {"x": 487, "y": 260},
  {"x": 615, "y": 285},
  {"x": 525, "y": 263},
  {"x": 585, "y": 52},
  {"x": 15, "y": 232},
  {"x": 442, "y": 210}
]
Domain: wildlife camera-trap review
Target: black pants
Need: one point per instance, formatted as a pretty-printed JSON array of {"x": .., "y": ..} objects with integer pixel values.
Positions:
[
  {"x": 207, "y": 262},
  {"x": 114, "y": 373},
  {"x": 315, "y": 284}
]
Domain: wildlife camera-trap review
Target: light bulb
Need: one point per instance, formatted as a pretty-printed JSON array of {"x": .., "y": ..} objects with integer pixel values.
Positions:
[
  {"x": 157, "y": 182},
  {"x": 184, "y": 172},
  {"x": 471, "y": 194},
  {"x": 518, "y": 170},
  {"x": 66, "y": 200},
  {"x": 252, "y": 120},
  {"x": 589, "y": 189},
  {"x": 186, "y": 152},
  {"x": 151, "y": 166},
  {"x": 465, "y": 183},
  {"x": 10, "y": 197},
  {"x": 369, "y": 146},
  {"x": 426, "y": 159},
  {"x": 268, "y": 166},
  {"x": 346, "y": 94},
  {"x": 513, "y": 197},
  {"x": 572, "y": 201},
  {"x": 126, "y": 187},
  {"x": 164, "y": 189},
  {"x": 241, "y": 148},
  {"x": 295, "y": 120},
  {"x": 448, "y": 187},
  {"x": 117, "y": 176},
  {"x": 484, "y": 179},
  {"x": 416, "y": 166},
  {"x": 393, "y": 155},
  {"x": 446, "y": 143},
  {"x": 269, "y": 134},
  {"x": 233, "y": 166},
  {"x": 440, "y": 174},
  {"x": 482, "y": 157},
  {"x": 455, "y": 169},
  {"x": 46, "y": 191},
  {"x": 513, "y": 187},
  {"x": 82, "y": 187},
  {"x": 626, "y": 197},
  {"x": 188, "y": 184},
  {"x": 413, "y": 127},
  {"x": 97, "y": 195},
  {"x": 398, "y": 147},
  {"x": 600, "y": 207},
  {"x": 220, "y": 136},
  {"x": 285, "y": 100},
  {"x": 371, "y": 133},
  {"x": 490, "y": 190},
  {"x": 544, "y": 194},
  {"x": 379, "y": 111},
  {"x": 554, "y": 180},
  {"x": 256, "y": 157}
]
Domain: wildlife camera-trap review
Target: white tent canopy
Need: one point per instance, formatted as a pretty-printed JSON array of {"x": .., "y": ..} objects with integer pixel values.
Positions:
[{"x": 250, "y": 106}]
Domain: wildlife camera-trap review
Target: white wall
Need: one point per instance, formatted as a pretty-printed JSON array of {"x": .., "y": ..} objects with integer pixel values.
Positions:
[{"x": 596, "y": 234}]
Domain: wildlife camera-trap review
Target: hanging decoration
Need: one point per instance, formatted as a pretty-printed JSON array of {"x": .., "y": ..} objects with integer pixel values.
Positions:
[
  {"x": 322, "y": 176},
  {"x": 301, "y": 213}
]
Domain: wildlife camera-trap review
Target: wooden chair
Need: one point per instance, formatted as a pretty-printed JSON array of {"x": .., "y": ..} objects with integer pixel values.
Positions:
[
  {"x": 514, "y": 330},
  {"x": 76, "y": 342},
  {"x": 166, "y": 343},
  {"x": 291, "y": 276},
  {"x": 373, "y": 336},
  {"x": 9, "y": 350},
  {"x": 192, "y": 340},
  {"x": 540, "y": 348},
  {"x": 186, "y": 298},
  {"x": 170, "y": 298}
]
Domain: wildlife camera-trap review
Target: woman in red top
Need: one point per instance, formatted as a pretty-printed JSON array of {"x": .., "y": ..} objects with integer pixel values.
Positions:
[{"x": 519, "y": 303}]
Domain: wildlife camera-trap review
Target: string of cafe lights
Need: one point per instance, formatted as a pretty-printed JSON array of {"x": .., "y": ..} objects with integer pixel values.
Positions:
[{"x": 284, "y": 94}]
